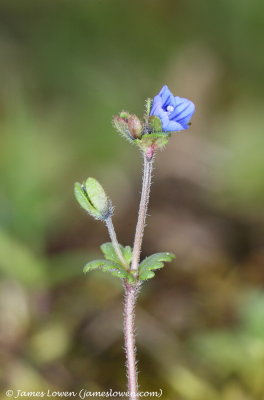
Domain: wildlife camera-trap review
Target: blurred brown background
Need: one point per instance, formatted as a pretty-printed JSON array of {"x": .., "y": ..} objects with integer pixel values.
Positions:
[{"x": 65, "y": 68}]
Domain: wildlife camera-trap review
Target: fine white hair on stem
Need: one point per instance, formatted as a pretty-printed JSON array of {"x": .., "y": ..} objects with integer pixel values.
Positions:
[
  {"x": 147, "y": 176},
  {"x": 131, "y": 290},
  {"x": 131, "y": 293},
  {"x": 114, "y": 240}
]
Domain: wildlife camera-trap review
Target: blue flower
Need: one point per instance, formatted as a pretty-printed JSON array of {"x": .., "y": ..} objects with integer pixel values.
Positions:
[{"x": 174, "y": 112}]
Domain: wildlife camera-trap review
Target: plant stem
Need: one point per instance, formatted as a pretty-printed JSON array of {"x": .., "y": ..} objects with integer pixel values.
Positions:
[
  {"x": 131, "y": 291},
  {"x": 114, "y": 240},
  {"x": 143, "y": 207}
]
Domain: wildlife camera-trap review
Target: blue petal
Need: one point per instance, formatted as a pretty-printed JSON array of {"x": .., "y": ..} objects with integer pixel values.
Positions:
[
  {"x": 166, "y": 97},
  {"x": 167, "y": 124},
  {"x": 164, "y": 91},
  {"x": 183, "y": 107},
  {"x": 173, "y": 126},
  {"x": 163, "y": 116},
  {"x": 156, "y": 105},
  {"x": 186, "y": 116},
  {"x": 184, "y": 121}
]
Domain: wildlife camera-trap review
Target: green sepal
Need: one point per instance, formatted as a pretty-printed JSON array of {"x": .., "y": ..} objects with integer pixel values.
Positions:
[
  {"x": 107, "y": 266},
  {"x": 97, "y": 196},
  {"x": 148, "y": 107},
  {"x": 92, "y": 197},
  {"x": 82, "y": 198},
  {"x": 156, "y": 140},
  {"x": 155, "y": 124},
  {"x": 153, "y": 262},
  {"x": 110, "y": 254}
]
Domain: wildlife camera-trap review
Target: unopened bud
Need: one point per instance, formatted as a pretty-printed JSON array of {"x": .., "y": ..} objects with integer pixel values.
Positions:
[
  {"x": 120, "y": 122},
  {"x": 135, "y": 127},
  {"x": 91, "y": 196},
  {"x": 124, "y": 115},
  {"x": 128, "y": 125}
]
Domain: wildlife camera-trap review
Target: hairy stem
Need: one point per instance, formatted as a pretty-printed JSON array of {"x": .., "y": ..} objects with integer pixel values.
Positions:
[
  {"x": 131, "y": 291},
  {"x": 143, "y": 207},
  {"x": 114, "y": 240}
]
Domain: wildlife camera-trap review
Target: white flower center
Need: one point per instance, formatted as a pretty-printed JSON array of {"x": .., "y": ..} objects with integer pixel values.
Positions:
[{"x": 170, "y": 109}]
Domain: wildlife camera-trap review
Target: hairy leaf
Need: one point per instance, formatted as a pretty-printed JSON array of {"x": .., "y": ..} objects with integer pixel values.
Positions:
[
  {"x": 94, "y": 265},
  {"x": 127, "y": 253},
  {"x": 110, "y": 254},
  {"x": 155, "y": 261},
  {"x": 146, "y": 275},
  {"x": 108, "y": 266}
]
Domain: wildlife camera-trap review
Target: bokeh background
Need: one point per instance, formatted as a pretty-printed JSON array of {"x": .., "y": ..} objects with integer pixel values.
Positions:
[{"x": 65, "y": 68}]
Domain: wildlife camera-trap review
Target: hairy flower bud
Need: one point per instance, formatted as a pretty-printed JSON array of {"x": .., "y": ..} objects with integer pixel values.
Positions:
[
  {"x": 135, "y": 127},
  {"x": 124, "y": 115},
  {"x": 92, "y": 198},
  {"x": 121, "y": 125},
  {"x": 128, "y": 125}
]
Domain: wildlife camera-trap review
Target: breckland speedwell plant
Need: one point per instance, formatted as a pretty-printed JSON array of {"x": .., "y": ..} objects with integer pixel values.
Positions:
[{"x": 164, "y": 114}]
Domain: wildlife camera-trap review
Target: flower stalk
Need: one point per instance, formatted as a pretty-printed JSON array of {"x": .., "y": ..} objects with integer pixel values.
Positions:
[
  {"x": 131, "y": 290},
  {"x": 143, "y": 207},
  {"x": 112, "y": 234}
]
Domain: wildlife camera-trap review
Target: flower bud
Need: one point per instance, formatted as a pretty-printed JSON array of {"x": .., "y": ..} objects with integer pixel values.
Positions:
[
  {"x": 92, "y": 198},
  {"x": 124, "y": 115},
  {"x": 120, "y": 122},
  {"x": 135, "y": 127},
  {"x": 128, "y": 125}
]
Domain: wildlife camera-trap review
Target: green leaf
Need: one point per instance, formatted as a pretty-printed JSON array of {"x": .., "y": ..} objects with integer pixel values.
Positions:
[
  {"x": 110, "y": 254},
  {"x": 93, "y": 265},
  {"x": 108, "y": 266},
  {"x": 155, "y": 261},
  {"x": 146, "y": 275},
  {"x": 127, "y": 253}
]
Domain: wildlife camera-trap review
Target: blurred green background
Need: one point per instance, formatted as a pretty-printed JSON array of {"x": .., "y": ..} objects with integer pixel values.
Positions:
[{"x": 65, "y": 68}]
